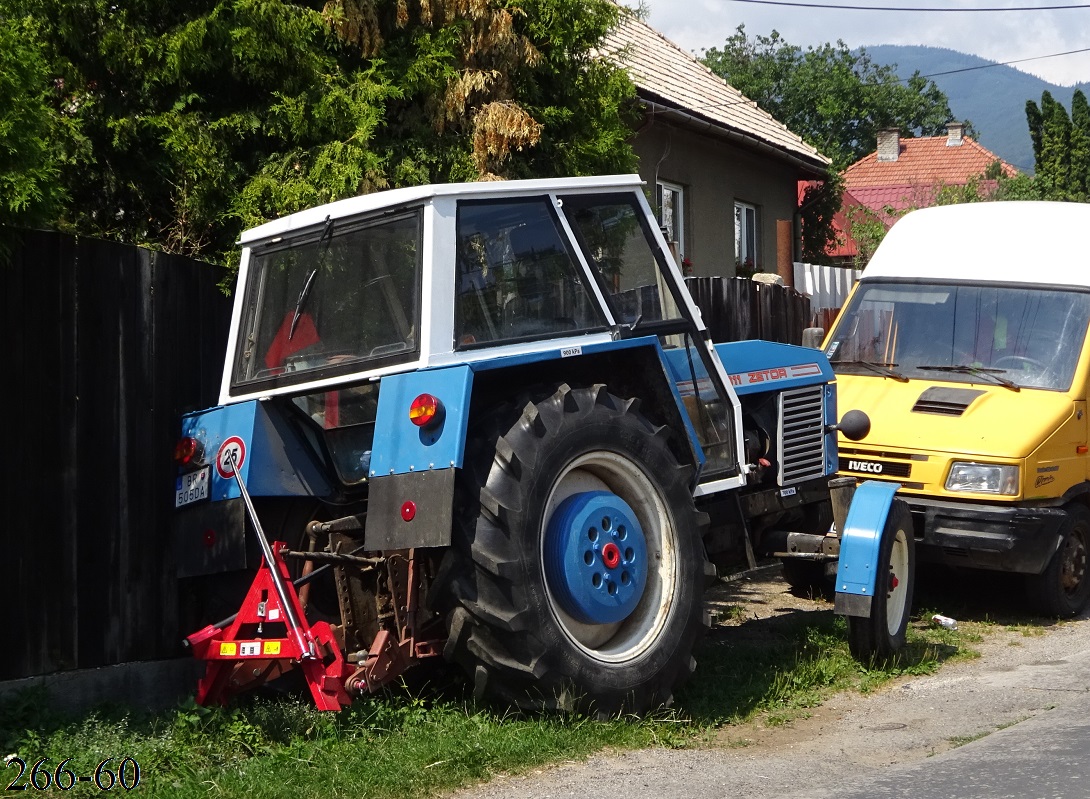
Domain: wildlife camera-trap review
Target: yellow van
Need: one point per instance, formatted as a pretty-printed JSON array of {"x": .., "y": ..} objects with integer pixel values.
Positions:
[{"x": 965, "y": 342}]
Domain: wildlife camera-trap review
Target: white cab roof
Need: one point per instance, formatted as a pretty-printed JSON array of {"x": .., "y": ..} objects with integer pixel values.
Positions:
[
  {"x": 1007, "y": 242},
  {"x": 394, "y": 197}
]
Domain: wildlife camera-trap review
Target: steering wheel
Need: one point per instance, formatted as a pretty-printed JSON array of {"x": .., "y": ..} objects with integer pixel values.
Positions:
[{"x": 1021, "y": 360}]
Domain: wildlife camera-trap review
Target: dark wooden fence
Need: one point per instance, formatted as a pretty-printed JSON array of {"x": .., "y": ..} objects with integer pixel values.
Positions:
[
  {"x": 106, "y": 345},
  {"x": 739, "y": 309}
]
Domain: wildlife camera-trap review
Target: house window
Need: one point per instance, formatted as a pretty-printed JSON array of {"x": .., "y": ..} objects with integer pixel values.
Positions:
[
  {"x": 672, "y": 215},
  {"x": 746, "y": 253}
]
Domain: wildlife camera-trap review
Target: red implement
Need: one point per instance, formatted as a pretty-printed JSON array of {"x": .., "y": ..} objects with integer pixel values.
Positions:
[{"x": 261, "y": 643}]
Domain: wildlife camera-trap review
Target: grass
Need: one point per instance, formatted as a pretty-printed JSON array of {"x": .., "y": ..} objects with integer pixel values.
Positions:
[
  {"x": 793, "y": 664},
  {"x": 961, "y": 740},
  {"x": 380, "y": 747},
  {"x": 421, "y": 741}
]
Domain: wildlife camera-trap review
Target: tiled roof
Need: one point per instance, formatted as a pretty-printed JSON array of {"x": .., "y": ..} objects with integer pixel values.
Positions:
[
  {"x": 928, "y": 161},
  {"x": 667, "y": 75}
]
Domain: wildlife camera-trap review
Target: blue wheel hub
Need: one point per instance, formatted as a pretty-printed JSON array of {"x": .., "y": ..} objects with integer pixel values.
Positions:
[{"x": 595, "y": 557}]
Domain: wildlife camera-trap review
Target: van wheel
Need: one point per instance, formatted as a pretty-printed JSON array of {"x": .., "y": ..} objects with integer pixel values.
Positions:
[
  {"x": 1062, "y": 589},
  {"x": 577, "y": 572}
]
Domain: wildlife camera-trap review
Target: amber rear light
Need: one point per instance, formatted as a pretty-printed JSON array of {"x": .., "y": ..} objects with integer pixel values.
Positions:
[{"x": 426, "y": 411}]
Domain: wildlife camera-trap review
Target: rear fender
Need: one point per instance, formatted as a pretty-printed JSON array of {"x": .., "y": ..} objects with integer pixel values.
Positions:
[
  {"x": 631, "y": 368},
  {"x": 411, "y": 478}
]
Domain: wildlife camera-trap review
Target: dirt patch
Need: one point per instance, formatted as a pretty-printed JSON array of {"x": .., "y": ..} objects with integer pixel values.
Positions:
[
  {"x": 759, "y": 594},
  {"x": 755, "y": 604}
]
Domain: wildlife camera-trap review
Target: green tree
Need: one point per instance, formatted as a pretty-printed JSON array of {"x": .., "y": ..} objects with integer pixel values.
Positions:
[
  {"x": 1080, "y": 145},
  {"x": 192, "y": 120},
  {"x": 834, "y": 98},
  {"x": 30, "y": 163},
  {"x": 1061, "y": 147}
]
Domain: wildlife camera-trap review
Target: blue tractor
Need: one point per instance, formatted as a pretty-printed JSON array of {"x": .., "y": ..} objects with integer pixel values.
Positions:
[{"x": 485, "y": 422}]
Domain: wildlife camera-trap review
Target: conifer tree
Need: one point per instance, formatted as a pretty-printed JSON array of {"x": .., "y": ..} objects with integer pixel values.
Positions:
[{"x": 1060, "y": 149}]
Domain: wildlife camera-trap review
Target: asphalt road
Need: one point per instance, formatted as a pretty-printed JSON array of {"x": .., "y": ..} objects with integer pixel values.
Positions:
[
  {"x": 1045, "y": 756},
  {"x": 1013, "y": 723}
]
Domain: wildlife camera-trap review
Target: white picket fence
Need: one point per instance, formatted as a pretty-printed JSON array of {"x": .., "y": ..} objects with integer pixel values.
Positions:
[{"x": 826, "y": 286}]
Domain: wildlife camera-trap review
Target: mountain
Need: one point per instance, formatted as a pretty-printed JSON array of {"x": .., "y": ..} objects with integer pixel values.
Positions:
[{"x": 992, "y": 99}]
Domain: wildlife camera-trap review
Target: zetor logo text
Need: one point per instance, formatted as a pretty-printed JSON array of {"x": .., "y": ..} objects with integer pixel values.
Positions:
[{"x": 865, "y": 466}]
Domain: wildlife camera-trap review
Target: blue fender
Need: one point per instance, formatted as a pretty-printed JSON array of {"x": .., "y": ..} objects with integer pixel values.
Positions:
[{"x": 860, "y": 545}]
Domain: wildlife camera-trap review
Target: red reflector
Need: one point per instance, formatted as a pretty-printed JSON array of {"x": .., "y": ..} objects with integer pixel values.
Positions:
[
  {"x": 186, "y": 451},
  {"x": 425, "y": 410},
  {"x": 408, "y": 511}
]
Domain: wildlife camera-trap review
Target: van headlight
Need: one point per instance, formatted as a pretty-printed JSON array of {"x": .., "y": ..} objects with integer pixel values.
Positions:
[{"x": 983, "y": 478}]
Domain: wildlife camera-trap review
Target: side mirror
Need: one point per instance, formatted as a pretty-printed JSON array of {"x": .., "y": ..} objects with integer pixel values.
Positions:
[
  {"x": 812, "y": 337},
  {"x": 855, "y": 425}
]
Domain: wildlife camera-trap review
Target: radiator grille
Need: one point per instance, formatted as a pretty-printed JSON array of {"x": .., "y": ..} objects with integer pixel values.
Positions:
[{"x": 802, "y": 434}]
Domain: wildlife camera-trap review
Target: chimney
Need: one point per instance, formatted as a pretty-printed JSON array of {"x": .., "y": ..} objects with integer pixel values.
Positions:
[
  {"x": 889, "y": 144},
  {"x": 954, "y": 133}
]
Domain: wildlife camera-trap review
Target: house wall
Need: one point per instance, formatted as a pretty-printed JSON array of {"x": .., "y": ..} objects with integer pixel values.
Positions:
[{"x": 715, "y": 173}]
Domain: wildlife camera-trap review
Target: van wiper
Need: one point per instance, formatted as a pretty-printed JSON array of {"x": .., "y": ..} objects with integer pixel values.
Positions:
[
  {"x": 327, "y": 237},
  {"x": 966, "y": 369},
  {"x": 878, "y": 368}
]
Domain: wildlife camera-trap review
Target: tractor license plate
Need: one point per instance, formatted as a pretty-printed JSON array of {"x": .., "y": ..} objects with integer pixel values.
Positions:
[{"x": 192, "y": 487}]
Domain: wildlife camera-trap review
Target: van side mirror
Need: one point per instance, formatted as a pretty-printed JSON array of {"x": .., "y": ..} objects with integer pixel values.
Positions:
[{"x": 812, "y": 337}]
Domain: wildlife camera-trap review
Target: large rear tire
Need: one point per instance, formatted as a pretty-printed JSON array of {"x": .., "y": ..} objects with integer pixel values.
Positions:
[
  {"x": 577, "y": 573},
  {"x": 1062, "y": 590},
  {"x": 882, "y": 634}
]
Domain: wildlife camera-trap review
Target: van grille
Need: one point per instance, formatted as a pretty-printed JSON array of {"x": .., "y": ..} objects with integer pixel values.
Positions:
[{"x": 802, "y": 433}]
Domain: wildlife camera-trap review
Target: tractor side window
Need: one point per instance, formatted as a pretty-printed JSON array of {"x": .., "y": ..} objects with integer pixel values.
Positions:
[
  {"x": 619, "y": 247},
  {"x": 516, "y": 276},
  {"x": 708, "y": 409}
]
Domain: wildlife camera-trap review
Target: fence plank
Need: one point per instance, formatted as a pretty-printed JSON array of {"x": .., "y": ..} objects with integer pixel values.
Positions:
[
  {"x": 737, "y": 309},
  {"x": 109, "y": 344}
]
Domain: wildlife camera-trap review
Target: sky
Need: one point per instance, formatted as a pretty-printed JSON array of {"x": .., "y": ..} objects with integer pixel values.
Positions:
[{"x": 1000, "y": 36}]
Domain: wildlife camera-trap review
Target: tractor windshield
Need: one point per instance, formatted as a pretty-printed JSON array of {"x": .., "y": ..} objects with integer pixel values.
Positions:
[
  {"x": 1012, "y": 336},
  {"x": 330, "y": 300}
]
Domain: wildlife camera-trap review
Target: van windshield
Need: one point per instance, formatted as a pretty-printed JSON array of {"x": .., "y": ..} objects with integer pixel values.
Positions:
[{"x": 1025, "y": 336}]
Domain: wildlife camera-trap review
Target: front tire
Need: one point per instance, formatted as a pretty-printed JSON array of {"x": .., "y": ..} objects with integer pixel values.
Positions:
[
  {"x": 882, "y": 634},
  {"x": 577, "y": 574},
  {"x": 1062, "y": 589}
]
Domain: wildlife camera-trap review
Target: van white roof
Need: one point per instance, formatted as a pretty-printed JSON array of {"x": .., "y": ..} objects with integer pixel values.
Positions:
[{"x": 1007, "y": 242}]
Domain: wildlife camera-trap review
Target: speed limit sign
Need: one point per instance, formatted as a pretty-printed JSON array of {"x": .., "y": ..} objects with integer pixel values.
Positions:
[{"x": 233, "y": 448}]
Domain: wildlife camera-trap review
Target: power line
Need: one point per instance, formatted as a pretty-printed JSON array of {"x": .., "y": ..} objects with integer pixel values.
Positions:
[
  {"x": 749, "y": 102},
  {"x": 1004, "y": 63},
  {"x": 840, "y": 7}
]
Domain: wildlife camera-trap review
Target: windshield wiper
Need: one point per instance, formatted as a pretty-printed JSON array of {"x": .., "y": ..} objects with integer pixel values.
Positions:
[
  {"x": 878, "y": 368},
  {"x": 327, "y": 237},
  {"x": 966, "y": 369}
]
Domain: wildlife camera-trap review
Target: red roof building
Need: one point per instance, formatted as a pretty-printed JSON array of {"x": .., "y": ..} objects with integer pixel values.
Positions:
[{"x": 903, "y": 174}]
